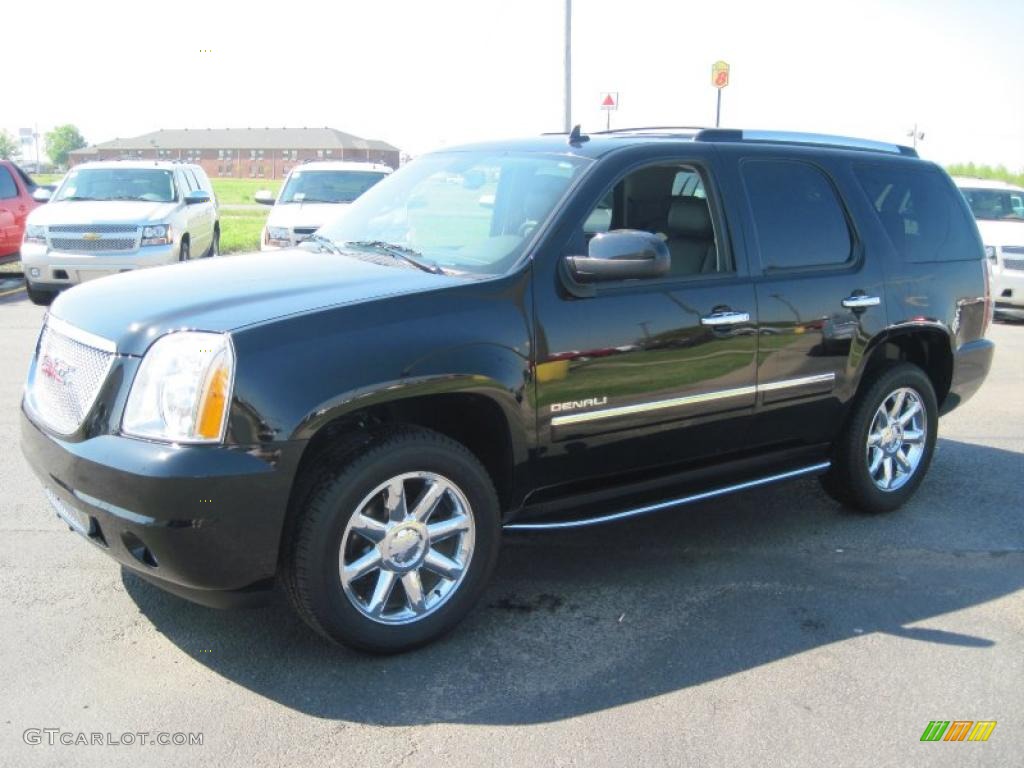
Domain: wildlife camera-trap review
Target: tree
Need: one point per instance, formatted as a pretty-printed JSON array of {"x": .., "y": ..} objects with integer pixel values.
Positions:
[
  {"x": 62, "y": 140},
  {"x": 9, "y": 148}
]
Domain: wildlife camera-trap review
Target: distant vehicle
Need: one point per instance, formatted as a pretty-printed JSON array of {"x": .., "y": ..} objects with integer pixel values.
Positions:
[
  {"x": 998, "y": 208},
  {"x": 115, "y": 216},
  {"x": 16, "y": 202},
  {"x": 311, "y": 197}
]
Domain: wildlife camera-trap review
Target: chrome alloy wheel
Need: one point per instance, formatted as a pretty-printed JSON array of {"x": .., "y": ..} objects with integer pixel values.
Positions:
[
  {"x": 896, "y": 439},
  {"x": 407, "y": 548}
]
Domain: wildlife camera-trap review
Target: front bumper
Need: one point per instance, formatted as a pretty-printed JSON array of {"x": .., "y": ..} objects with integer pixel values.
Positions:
[
  {"x": 971, "y": 364},
  {"x": 203, "y": 522},
  {"x": 62, "y": 269}
]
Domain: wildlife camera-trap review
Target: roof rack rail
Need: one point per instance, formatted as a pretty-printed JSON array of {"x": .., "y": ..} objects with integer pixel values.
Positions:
[
  {"x": 795, "y": 137},
  {"x": 652, "y": 128}
]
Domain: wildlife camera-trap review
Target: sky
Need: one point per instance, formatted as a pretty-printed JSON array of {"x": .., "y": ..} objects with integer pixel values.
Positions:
[{"x": 423, "y": 75}]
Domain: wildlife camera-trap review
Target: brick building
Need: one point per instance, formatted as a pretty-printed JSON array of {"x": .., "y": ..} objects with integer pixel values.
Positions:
[{"x": 257, "y": 153}]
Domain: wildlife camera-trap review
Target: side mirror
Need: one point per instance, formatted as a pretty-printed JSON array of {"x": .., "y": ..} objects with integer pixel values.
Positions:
[
  {"x": 42, "y": 194},
  {"x": 622, "y": 254},
  {"x": 197, "y": 197},
  {"x": 264, "y": 197}
]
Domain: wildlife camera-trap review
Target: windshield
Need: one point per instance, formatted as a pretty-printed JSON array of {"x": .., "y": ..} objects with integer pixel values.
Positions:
[
  {"x": 327, "y": 186},
  {"x": 149, "y": 184},
  {"x": 996, "y": 204},
  {"x": 465, "y": 211}
]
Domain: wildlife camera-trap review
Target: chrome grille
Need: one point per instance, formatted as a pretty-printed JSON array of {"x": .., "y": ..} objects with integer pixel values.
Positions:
[
  {"x": 303, "y": 233},
  {"x": 1016, "y": 250},
  {"x": 81, "y": 245},
  {"x": 103, "y": 229},
  {"x": 66, "y": 376},
  {"x": 1017, "y": 264}
]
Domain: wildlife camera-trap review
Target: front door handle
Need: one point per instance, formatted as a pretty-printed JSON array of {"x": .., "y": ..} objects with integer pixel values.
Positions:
[
  {"x": 727, "y": 317},
  {"x": 860, "y": 301}
]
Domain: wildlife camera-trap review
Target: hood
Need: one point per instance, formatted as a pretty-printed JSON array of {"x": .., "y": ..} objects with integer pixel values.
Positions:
[
  {"x": 101, "y": 212},
  {"x": 1001, "y": 232},
  {"x": 223, "y": 294},
  {"x": 304, "y": 214}
]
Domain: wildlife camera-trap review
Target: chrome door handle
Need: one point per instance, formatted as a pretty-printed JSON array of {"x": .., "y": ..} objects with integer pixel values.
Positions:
[
  {"x": 860, "y": 301},
  {"x": 725, "y": 318}
]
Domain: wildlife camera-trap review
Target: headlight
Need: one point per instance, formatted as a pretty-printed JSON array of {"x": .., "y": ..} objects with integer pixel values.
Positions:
[
  {"x": 35, "y": 234},
  {"x": 182, "y": 390},
  {"x": 990, "y": 253},
  {"x": 157, "y": 234},
  {"x": 279, "y": 236}
]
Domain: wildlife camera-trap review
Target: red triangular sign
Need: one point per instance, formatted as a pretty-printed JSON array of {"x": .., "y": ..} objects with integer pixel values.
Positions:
[{"x": 608, "y": 101}]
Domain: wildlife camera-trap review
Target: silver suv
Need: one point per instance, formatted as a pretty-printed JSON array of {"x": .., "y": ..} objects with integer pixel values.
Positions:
[{"x": 114, "y": 216}]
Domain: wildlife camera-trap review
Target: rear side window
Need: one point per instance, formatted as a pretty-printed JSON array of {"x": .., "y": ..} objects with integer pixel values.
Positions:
[
  {"x": 920, "y": 212},
  {"x": 797, "y": 215},
  {"x": 8, "y": 188}
]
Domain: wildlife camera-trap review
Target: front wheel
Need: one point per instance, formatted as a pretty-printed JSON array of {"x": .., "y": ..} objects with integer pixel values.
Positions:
[
  {"x": 887, "y": 445},
  {"x": 183, "y": 251},
  {"x": 392, "y": 548},
  {"x": 38, "y": 297},
  {"x": 214, "y": 249}
]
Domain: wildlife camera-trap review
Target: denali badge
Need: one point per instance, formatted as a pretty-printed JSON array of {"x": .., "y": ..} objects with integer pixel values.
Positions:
[{"x": 572, "y": 405}]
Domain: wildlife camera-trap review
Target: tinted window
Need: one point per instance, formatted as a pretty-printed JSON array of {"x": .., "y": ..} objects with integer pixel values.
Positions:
[
  {"x": 190, "y": 180},
  {"x": 152, "y": 185},
  {"x": 920, "y": 211},
  {"x": 7, "y": 186},
  {"x": 994, "y": 204},
  {"x": 797, "y": 215}
]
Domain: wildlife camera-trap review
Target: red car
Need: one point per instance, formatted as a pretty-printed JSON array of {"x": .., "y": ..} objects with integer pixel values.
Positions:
[{"x": 16, "y": 202}]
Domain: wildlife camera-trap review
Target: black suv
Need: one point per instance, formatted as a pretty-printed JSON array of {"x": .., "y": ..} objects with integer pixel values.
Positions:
[{"x": 534, "y": 334}]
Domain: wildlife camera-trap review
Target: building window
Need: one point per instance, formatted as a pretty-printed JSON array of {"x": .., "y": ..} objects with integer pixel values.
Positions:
[
  {"x": 320, "y": 153},
  {"x": 329, "y": 152}
]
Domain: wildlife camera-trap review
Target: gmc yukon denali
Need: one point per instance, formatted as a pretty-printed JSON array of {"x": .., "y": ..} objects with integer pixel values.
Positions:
[{"x": 526, "y": 335}]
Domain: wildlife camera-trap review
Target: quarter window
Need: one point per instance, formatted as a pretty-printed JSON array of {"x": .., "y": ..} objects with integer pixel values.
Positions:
[
  {"x": 797, "y": 215},
  {"x": 920, "y": 212}
]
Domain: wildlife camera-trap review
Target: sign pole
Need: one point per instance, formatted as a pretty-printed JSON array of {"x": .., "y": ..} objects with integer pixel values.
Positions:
[
  {"x": 719, "y": 80},
  {"x": 718, "y": 109},
  {"x": 608, "y": 120},
  {"x": 567, "y": 85}
]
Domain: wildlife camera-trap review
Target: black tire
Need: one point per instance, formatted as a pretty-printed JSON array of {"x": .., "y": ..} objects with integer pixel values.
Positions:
[
  {"x": 313, "y": 541},
  {"x": 184, "y": 251},
  {"x": 214, "y": 249},
  {"x": 38, "y": 297},
  {"x": 849, "y": 480}
]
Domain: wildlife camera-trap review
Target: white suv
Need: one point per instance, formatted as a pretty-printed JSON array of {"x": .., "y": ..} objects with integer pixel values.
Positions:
[
  {"x": 311, "y": 196},
  {"x": 114, "y": 216},
  {"x": 999, "y": 210}
]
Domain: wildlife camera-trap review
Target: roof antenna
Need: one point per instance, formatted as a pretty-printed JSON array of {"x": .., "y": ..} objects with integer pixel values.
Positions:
[{"x": 576, "y": 137}]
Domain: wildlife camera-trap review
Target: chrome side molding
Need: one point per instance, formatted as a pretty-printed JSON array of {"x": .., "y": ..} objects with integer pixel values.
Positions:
[{"x": 723, "y": 491}]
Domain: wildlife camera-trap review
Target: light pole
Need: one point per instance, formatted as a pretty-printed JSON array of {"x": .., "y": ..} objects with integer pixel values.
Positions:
[
  {"x": 915, "y": 135},
  {"x": 567, "y": 88}
]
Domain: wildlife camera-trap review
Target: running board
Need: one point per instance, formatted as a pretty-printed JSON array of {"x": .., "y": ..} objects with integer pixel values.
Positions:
[{"x": 725, "y": 490}]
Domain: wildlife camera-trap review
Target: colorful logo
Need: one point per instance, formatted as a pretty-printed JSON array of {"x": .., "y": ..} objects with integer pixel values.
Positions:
[{"x": 958, "y": 730}]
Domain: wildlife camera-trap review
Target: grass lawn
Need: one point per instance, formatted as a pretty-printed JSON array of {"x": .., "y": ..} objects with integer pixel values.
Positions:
[
  {"x": 241, "y": 191},
  {"x": 240, "y": 230}
]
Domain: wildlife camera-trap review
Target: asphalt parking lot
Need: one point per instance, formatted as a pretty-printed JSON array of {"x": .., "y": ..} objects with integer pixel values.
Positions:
[{"x": 770, "y": 628}]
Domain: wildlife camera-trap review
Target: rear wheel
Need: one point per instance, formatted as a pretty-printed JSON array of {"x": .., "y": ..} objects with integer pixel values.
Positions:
[
  {"x": 39, "y": 297},
  {"x": 887, "y": 445},
  {"x": 183, "y": 251},
  {"x": 392, "y": 548},
  {"x": 214, "y": 249}
]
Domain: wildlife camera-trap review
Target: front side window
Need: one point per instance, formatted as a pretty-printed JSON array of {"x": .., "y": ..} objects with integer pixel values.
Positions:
[
  {"x": 463, "y": 211},
  {"x": 919, "y": 210},
  {"x": 144, "y": 184},
  {"x": 8, "y": 189},
  {"x": 669, "y": 201},
  {"x": 995, "y": 204},
  {"x": 327, "y": 186},
  {"x": 796, "y": 214}
]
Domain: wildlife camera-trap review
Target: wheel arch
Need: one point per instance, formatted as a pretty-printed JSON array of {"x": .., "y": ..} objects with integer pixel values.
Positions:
[{"x": 929, "y": 346}]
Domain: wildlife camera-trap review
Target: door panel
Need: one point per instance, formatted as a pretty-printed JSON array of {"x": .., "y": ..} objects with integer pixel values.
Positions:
[{"x": 634, "y": 377}]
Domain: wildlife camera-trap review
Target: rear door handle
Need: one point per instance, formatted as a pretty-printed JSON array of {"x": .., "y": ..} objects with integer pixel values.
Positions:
[
  {"x": 725, "y": 318},
  {"x": 859, "y": 301}
]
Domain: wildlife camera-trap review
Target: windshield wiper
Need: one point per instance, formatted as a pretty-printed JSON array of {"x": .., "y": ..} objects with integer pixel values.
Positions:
[
  {"x": 399, "y": 252},
  {"x": 325, "y": 243},
  {"x": 77, "y": 197}
]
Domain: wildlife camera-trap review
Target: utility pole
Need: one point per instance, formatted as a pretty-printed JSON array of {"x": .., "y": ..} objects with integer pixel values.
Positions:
[{"x": 567, "y": 123}]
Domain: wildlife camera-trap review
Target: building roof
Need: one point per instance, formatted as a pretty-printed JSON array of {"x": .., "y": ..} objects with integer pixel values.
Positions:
[{"x": 243, "y": 138}]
